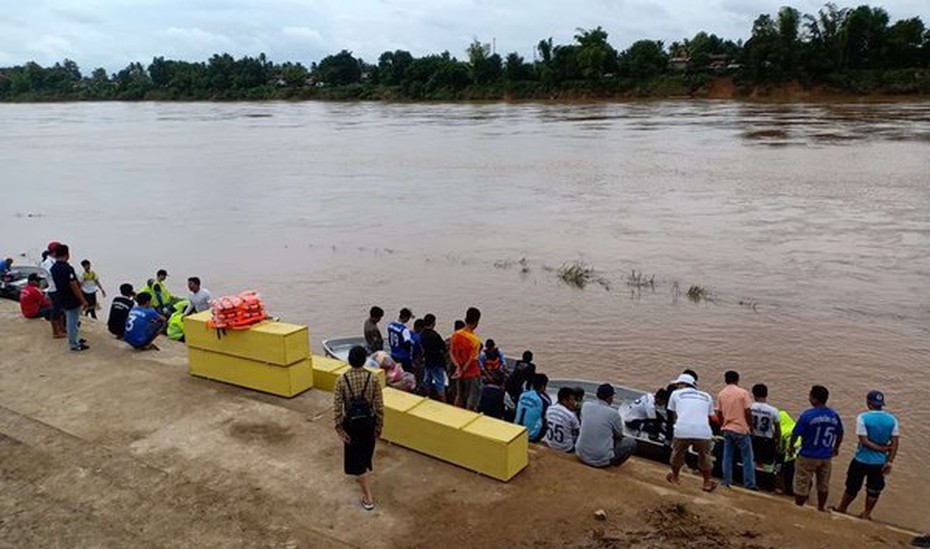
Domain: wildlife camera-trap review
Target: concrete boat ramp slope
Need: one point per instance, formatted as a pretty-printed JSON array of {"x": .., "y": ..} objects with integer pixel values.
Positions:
[{"x": 116, "y": 448}]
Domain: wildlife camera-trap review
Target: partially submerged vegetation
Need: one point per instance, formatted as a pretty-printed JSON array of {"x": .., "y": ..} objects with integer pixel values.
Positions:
[
  {"x": 857, "y": 51},
  {"x": 576, "y": 274}
]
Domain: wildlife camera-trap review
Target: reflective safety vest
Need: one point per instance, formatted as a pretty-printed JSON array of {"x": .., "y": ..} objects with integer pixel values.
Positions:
[
  {"x": 161, "y": 297},
  {"x": 786, "y": 424},
  {"x": 176, "y": 322}
]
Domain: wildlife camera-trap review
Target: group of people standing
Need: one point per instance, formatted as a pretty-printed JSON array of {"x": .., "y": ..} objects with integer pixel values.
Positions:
[
  {"x": 467, "y": 372},
  {"x": 462, "y": 369},
  {"x": 137, "y": 318}
]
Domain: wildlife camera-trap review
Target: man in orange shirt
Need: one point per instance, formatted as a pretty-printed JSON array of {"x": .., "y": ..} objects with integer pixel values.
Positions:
[
  {"x": 464, "y": 348},
  {"x": 734, "y": 414}
]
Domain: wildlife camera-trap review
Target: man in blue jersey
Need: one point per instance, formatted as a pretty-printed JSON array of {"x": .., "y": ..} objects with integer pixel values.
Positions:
[
  {"x": 531, "y": 408},
  {"x": 143, "y": 324},
  {"x": 878, "y": 445},
  {"x": 821, "y": 433},
  {"x": 401, "y": 340}
]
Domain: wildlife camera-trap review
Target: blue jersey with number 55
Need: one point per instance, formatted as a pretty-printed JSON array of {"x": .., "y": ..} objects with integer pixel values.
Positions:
[{"x": 818, "y": 429}]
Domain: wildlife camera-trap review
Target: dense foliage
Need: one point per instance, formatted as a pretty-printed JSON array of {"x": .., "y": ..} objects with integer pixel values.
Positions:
[{"x": 856, "y": 50}]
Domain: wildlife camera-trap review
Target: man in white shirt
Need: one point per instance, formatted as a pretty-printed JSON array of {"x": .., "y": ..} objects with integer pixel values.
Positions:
[
  {"x": 641, "y": 414},
  {"x": 200, "y": 297},
  {"x": 766, "y": 427},
  {"x": 58, "y": 316},
  {"x": 690, "y": 411},
  {"x": 562, "y": 422}
]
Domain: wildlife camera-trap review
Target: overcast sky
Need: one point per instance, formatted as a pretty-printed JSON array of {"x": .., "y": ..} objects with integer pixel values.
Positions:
[{"x": 111, "y": 33}]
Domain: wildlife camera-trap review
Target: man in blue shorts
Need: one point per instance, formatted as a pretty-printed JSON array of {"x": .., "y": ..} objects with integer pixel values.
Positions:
[
  {"x": 878, "y": 445},
  {"x": 821, "y": 433},
  {"x": 143, "y": 324}
]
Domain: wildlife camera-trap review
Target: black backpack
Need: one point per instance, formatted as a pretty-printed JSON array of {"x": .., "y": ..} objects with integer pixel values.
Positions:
[{"x": 359, "y": 417}]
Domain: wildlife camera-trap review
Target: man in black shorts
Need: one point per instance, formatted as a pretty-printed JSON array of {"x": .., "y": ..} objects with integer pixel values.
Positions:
[{"x": 878, "y": 446}]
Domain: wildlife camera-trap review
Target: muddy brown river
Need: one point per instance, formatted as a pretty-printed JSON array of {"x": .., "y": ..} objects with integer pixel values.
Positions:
[{"x": 807, "y": 224}]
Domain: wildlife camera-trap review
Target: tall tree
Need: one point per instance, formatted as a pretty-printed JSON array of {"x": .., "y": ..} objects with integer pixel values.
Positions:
[{"x": 595, "y": 56}]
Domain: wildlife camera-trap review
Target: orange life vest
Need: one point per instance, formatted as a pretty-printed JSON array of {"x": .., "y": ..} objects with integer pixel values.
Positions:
[{"x": 237, "y": 312}]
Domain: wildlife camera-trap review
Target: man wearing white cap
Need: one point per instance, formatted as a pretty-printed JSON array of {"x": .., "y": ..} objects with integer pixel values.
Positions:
[{"x": 691, "y": 411}]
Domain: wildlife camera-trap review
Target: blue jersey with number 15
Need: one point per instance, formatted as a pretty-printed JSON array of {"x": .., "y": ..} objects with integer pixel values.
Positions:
[{"x": 818, "y": 429}]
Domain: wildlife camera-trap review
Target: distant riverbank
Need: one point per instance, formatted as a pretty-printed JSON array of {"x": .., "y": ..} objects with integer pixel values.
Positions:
[{"x": 909, "y": 84}]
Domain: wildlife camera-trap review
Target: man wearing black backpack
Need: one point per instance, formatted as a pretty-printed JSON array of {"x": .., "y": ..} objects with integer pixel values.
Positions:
[{"x": 359, "y": 414}]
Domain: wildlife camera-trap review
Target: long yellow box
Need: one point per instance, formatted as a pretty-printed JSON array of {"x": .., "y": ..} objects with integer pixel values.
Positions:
[
  {"x": 268, "y": 341},
  {"x": 497, "y": 448},
  {"x": 396, "y": 405},
  {"x": 327, "y": 370},
  {"x": 286, "y": 381},
  {"x": 488, "y": 446}
]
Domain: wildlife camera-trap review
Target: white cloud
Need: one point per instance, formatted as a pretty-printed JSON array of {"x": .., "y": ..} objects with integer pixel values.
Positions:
[
  {"x": 51, "y": 46},
  {"x": 198, "y": 37},
  {"x": 303, "y": 34}
]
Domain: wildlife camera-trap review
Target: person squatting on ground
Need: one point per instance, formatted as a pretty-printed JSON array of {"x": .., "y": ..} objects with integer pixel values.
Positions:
[
  {"x": 119, "y": 310},
  {"x": 143, "y": 324},
  {"x": 358, "y": 408}
]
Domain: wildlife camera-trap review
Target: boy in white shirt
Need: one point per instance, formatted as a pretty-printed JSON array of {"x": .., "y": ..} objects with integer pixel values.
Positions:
[
  {"x": 562, "y": 422},
  {"x": 766, "y": 427}
]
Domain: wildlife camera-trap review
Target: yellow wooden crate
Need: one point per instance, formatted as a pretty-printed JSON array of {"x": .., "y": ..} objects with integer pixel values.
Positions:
[
  {"x": 497, "y": 448},
  {"x": 286, "y": 381},
  {"x": 488, "y": 446},
  {"x": 324, "y": 371},
  {"x": 435, "y": 429},
  {"x": 269, "y": 342},
  {"x": 327, "y": 370},
  {"x": 396, "y": 405}
]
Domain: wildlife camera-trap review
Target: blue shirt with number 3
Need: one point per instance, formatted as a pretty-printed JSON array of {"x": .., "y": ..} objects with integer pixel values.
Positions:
[{"x": 818, "y": 429}]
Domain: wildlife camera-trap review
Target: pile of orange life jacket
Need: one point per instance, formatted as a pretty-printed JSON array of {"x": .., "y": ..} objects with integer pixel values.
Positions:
[{"x": 237, "y": 312}]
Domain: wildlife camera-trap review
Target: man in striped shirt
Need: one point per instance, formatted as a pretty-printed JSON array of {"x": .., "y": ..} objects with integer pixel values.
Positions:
[{"x": 563, "y": 424}]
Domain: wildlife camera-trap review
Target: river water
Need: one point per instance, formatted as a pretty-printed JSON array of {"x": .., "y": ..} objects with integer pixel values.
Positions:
[{"x": 809, "y": 225}]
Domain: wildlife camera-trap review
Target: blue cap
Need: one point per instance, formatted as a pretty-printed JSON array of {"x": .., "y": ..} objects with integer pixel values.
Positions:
[{"x": 876, "y": 398}]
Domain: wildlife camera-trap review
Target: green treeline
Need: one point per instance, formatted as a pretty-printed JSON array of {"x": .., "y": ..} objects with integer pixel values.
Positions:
[{"x": 857, "y": 50}]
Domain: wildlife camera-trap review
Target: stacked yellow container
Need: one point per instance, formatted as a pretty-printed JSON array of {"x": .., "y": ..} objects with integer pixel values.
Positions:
[{"x": 273, "y": 357}]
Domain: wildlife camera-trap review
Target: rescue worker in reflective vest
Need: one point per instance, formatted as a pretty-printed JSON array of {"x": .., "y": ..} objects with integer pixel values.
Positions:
[
  {"x": 162, "y": 299},
  {"x": 787, "y": 468},
  {"x": 176, "y": 321}
]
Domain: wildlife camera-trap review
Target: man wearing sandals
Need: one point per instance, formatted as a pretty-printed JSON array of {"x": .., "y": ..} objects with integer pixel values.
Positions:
[{"x": 691, "y": 411}]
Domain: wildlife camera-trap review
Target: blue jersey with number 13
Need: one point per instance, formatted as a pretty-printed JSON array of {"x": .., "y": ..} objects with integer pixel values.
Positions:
[{"x": 818, "y": 429}]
